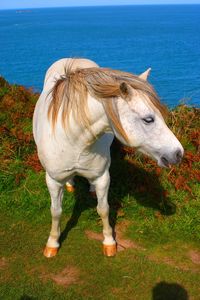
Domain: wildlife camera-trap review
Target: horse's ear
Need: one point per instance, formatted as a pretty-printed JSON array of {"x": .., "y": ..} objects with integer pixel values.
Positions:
[
  {"x": 145, "y": 75},
  {"x": 125, "y": 91}
]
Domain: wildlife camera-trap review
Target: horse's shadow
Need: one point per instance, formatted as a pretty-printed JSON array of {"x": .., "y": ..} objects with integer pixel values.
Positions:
[
  {"x": 83, "y": 201},
  {"x": 126, "y": 179},
  {"x": 169, "y": 291}
]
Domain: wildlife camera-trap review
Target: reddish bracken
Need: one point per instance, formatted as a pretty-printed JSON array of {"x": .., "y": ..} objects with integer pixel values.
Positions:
[{"x": 18, "y": 104}]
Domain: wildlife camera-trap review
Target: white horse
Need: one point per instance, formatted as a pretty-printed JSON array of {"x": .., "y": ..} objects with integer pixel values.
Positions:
[{"x": 78, "y": 113}]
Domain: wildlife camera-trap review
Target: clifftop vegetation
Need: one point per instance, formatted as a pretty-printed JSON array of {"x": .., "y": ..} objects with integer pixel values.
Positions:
[
  {"x": 18, "y": 151},
  {"x": 156, "y": 212}
]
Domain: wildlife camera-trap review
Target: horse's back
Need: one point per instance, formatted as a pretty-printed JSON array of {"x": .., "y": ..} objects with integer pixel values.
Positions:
[
  {"x": 61, "y": 65},
  {"x": 55, "y": 71}
]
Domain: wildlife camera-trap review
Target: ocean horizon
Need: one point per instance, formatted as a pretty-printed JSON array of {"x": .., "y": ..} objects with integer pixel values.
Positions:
[
  {"x": 130, "y": 38},
  {"x": 98, "y": 5}
]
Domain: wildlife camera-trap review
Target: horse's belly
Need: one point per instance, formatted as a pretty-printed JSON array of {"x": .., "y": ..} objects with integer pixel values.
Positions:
[
  {"x": 58, "y": 164},
  {"x": 62, "y": 165},
  {"x": 93, "y": 169},
  {"x": 63, "y": 173}
]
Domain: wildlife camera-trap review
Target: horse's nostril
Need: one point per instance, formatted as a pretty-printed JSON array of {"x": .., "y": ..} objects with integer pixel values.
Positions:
[
  {"x": 178, "y": 155},
  {"x": 165, "y": 161}
]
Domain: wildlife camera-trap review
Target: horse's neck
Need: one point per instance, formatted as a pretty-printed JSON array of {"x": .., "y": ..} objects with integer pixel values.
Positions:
[{"x": 99, "y": 123}]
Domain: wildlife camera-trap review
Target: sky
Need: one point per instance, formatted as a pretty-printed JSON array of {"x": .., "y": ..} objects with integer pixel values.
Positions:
[{"x": 9, "y": 4}]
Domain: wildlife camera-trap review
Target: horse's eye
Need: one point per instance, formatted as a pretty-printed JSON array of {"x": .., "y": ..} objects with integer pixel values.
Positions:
[{"x": 148, "y": 120}]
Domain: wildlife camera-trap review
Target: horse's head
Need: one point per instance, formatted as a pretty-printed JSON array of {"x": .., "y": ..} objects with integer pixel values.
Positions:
[{"x": 145, "y": 127}]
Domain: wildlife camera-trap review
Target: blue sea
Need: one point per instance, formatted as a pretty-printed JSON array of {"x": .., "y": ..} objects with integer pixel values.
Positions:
[{"x": 130, "y": 38}]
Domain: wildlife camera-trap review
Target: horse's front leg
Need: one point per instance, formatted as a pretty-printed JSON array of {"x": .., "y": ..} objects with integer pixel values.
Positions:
[
  {"x": 56, "y": 193},
  {"x": 102, "y": 185}
]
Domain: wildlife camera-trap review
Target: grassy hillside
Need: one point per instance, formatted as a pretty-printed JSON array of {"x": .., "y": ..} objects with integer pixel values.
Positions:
[{"x": 156, "y": 213}]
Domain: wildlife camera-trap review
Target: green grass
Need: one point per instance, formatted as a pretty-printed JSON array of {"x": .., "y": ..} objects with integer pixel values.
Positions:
[
  {"x": 132, "y": 274},
  {"x": 157, "y": 210}
]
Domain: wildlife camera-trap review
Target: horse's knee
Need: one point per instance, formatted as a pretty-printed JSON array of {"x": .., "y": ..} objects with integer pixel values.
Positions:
[
  {"x": 56, "y": 212},
  {"x": 102, "y": 183}
]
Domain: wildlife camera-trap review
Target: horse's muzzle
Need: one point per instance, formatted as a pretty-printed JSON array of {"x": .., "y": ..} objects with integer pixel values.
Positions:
[{"x": 174, "y": 158}]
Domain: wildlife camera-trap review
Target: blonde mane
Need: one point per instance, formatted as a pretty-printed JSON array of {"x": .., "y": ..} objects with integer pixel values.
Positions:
[{"x": 71, "y": 91}]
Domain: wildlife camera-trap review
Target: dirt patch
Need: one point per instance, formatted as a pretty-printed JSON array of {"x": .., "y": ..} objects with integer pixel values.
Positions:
[
  {"x": 94, "y": 235},
  {"x": 69, "y": 275},
  {"x": 194, "y": 256},
  {"x": 122, "y": 226},
  {"x": 126, "y": 244},
  {"x": 3, "y": 263},
  {"x": 168, "y": 261},
  {"x": 122, "y": 244},
  {"x": 173, "y": 263}
]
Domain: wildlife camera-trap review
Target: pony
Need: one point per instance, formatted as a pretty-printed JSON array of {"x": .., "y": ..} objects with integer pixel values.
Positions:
[{"x": 80, "y": 110}]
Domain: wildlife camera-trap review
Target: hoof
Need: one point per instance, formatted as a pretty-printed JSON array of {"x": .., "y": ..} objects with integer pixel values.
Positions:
[
  {"x": 93, "y": 194},
  {"x": 70, "y": 188},
  {"x": 109, "y": 250},
  {"x": 50, "y": 252}
]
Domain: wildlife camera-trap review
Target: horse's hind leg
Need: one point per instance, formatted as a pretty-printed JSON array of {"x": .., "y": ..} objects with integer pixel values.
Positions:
[
  {"x": 56, "y": 193},
  {"x": 102, "y": 185},
  {"x": 70, "y": 185}
]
